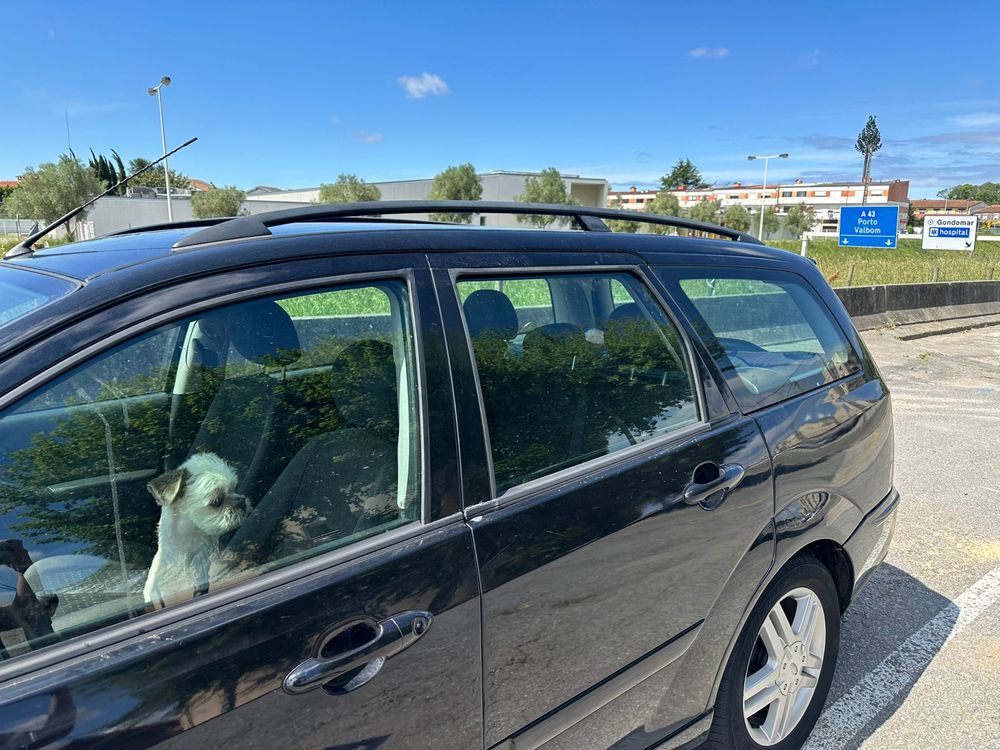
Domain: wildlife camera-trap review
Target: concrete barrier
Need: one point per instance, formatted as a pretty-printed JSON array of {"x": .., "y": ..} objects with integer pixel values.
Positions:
[{"x": 906, "y": 304}]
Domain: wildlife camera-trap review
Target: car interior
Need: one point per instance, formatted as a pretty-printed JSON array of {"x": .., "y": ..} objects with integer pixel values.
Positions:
[{"x": 305, "y": 408}]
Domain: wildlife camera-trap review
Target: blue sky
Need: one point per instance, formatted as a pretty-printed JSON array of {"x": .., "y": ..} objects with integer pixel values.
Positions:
[{"x": 291, "y": 93}]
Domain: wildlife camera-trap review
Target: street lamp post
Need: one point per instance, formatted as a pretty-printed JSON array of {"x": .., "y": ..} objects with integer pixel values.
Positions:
[
  {"x": 760, "y": 231},
  {"x": 155, "y": 91}
]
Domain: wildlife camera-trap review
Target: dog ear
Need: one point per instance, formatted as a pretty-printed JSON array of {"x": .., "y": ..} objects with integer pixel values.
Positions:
[{"x": 167, "y": 487}]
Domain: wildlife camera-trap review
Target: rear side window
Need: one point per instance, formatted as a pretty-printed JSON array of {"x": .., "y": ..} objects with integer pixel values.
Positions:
[
  {"x": 771, "y": 335},
  {"x": 607, "y": 372}
]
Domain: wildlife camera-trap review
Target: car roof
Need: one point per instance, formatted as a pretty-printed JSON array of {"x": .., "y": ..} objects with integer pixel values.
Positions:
[{"x": 91, "y": 258}]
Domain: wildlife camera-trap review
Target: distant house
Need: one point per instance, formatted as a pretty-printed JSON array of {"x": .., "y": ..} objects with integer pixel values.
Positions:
[
  {"x": 200, "y": 186},
  {"x": 922, "y": 207},
  {"x": 988, "y": 215}
]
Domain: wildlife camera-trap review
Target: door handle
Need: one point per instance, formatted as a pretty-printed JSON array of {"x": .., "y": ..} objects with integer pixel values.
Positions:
[
  {"x": 392, "y": 635},
  {"x": 699, "y": 493}
]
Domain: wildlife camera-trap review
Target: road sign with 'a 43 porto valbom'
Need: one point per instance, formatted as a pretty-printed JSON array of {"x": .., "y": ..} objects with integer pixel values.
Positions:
[
  {"x": 950, "y": 233},
  {"x": 868, "y": 226}
]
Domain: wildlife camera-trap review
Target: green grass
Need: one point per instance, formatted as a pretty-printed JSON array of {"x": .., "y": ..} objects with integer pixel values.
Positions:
[{"x": 907, "y": 264}]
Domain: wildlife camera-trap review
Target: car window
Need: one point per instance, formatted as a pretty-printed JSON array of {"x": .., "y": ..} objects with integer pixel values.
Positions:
[
  {"x": 288, "y": 427},
  {"x": 769, "y": 332},
  {"x": 21, "y": 291},
  {"x": 531, "y": 298},
  {"x": 597, "y": 380}
]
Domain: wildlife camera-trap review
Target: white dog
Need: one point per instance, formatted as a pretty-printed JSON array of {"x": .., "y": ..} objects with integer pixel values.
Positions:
[{"x": 199, "y": 504}]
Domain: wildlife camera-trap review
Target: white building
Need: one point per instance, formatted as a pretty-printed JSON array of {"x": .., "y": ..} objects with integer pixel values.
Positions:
[
  {"x": 497, "y": 186},
  {"x": 825, "y": 198}
]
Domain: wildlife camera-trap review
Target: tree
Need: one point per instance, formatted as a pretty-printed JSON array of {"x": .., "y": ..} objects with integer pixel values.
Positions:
[
  {"x": 799, "y": 219},
  {"x": 621, "y": 225},
  {"x": 665, "y": 204},
  {"x": 53, "y": 190},
  {"x": 548, "y": 187},
  {"x": 154, "y": 177},
  {"x": 913, "y": 224},
  {"x": 869, "y": 141},
  {"x": 771, "y": 222},
  {"x": 684, "y": 174},
  {"x": 456, "y": 183},
  {"x": 736, "y": 217},
  {"x": 707, "y": 211},
  {"x": 349, "y": 188},
  {"x": 226, "y": 201},
  {"x": 5, "y": 193},
  {"x": 109, "y": 171},
  {"x": 987, "y": 192}
]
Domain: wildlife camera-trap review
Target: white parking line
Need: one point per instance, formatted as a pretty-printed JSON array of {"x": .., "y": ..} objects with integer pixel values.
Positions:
[{"x": 850, "y": 713}]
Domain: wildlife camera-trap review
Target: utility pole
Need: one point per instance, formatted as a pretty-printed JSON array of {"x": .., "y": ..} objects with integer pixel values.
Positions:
[{"x": 155, "y": 91}]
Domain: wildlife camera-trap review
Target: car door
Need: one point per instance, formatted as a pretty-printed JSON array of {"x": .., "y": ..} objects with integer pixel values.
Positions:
[
  {"x": 611, "y": 491},
  {"x": 802, "y": 373},
  {"x": 342, "y": 609}
]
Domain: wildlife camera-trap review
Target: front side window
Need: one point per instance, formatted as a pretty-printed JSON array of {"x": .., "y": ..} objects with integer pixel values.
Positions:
[
  {"x": 771, "y": 335},
  {"x": 207, "y": 451},
  {"x": 607, "y": 372}
]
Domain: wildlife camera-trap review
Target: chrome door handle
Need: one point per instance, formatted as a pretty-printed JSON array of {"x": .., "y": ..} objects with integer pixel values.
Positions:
[
  {"x": 701, "y": 493},
  {"x": 392, "y": 635}
]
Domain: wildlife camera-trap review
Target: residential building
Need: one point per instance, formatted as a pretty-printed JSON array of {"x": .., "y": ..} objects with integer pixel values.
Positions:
[
  {"x": 825, "y": 198},
  {"x": 497, "y": 186},
  {"x": 632, "y": 199},
  {"x": 922, "y": 207},
  {"x": 989, "y": 216}
]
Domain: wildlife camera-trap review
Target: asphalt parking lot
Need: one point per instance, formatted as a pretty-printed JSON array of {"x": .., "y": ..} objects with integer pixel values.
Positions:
[{"x": 920, "y": 662}]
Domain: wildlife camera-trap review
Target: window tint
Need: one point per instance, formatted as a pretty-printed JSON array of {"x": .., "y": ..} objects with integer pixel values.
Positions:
[
  {"x": 610, "y": 372},
  {"x": 279, "y": 429},
  {"x": 769, "y": 332},
  {"x": 531, "y": 298}
]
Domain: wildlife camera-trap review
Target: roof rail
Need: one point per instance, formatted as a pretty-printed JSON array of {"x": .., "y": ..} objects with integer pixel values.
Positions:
[
  {"x": 184, "y": 224},
  {"x": 588, "y": 218}
]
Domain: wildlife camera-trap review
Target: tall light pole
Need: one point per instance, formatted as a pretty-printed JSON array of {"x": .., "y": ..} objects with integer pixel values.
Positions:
[
  {"x": 155, "y": 91},
  {"x": 760, "y": 232}
]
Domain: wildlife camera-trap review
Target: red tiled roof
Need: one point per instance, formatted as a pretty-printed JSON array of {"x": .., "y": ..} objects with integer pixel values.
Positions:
[{"x": 8, "y": 183}]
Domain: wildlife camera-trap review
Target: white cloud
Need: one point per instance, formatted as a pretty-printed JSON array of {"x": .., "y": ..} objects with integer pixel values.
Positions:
[
  {"x": 365, "y": 137},
  {"x": 334, "y": 120},
  {"x": 978, "y": 120},
  {"x": 707, "y": 52},
  {"x": 427, "y": 83},
  {"x": 810, "y": 58}
]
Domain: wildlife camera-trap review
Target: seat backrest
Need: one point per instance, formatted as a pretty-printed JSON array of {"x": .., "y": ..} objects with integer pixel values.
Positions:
[
  {"x": 243, "y": 423},
  {"x": 363, "y": 383}
]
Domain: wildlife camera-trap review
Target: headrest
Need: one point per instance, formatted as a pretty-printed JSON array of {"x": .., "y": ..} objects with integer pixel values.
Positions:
[
  {"x": 263, "y": 333},
  {"x": 554, "y": 333},
  {"x": 363, "y": 381},
  {"x": 490, "y": 313}
]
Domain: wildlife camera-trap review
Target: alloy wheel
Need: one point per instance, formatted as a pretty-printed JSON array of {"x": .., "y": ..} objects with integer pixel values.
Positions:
[{"x": 784, "y": 667}]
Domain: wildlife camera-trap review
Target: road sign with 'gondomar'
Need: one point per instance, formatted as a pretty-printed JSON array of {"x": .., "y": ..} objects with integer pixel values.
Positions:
[
  {"x": 950, "y": 233},
  {"x": 868, "y": 226}
]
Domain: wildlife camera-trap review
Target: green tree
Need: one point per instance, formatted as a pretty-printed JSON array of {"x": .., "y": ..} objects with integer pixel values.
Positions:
[
  {"x": 987, "y": 192},
  {"x": 5, "y": 193},
  {"x": 621, "y": 225},
  {"x": 226, "y": 201},
  {"x": 53, "y": 190},
  {"x": 771, "y": 222},
  {"x": 913, "y": 224},
  {"x": 109, "y": 171},
  {"x": 665, "y": 204},
  {"x": 736, "y": 217},
  {"x": 707, "y": 211},
  {"x": 154, "y": 177},
  {"x": 547, "y": 187},
  {"x": 456, "y": 183},
  {"x": 684, "y": 174},
  {"x": 799, "y": 219},
  {"x": 869, "y": 141},
  {"x": 349, "y": 188}
]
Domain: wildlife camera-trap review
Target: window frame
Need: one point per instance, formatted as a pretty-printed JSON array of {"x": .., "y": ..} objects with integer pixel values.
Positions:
[
  {"x": 105, "y": 636},
  {"x": 537, "y": 485},
  {"x": 671, "y": 275}
]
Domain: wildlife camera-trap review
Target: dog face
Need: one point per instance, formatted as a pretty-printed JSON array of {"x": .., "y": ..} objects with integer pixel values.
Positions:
[{"x": 202, "y": 491}]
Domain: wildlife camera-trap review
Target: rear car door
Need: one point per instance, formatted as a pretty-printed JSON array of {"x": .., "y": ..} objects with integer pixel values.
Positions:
[
  {"x": 612, "y": 493},
  {"x": 793, "y": 360},
  {"x": 343, "y": 580}
]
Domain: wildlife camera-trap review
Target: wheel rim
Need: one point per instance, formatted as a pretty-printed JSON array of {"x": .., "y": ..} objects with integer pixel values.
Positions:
[{"x": 784, "y": 667}]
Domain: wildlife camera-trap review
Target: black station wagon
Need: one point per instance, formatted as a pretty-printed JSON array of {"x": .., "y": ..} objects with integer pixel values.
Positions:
[{"x": 334, "y": 478}]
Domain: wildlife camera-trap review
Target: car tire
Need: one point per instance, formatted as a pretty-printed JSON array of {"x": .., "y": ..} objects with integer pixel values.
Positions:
[{"x": 780, "y": 670}]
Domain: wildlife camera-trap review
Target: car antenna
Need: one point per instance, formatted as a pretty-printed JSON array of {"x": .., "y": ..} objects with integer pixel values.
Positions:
[{"x": 24, "y": 247}]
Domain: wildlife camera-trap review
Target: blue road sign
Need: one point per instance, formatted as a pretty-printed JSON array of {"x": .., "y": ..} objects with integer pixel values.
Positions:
[{"x": 868, "y": 226}]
